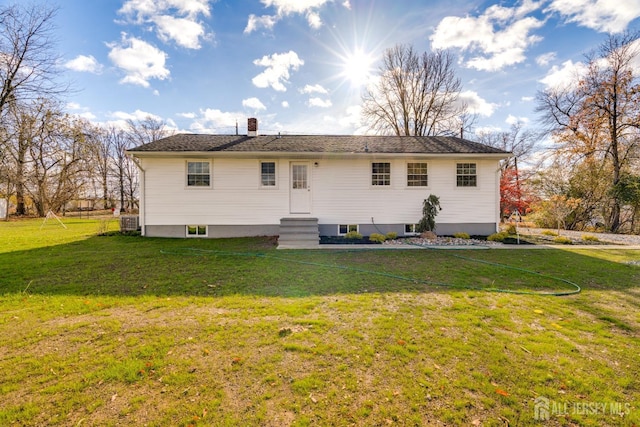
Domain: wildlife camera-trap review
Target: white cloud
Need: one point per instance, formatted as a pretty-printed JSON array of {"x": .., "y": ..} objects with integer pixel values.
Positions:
[
  {"x": 512, "y": 120},
  {"x": 497, "y": 38},
  {"x": 139, "y": 60},
  {"x": 217, "y": 121},
  {"x": 545, "y": 59},
  {"x": 83, "y": 63},
  {"x": 143, "y": 8},
  {"x": 87, "y": 115},
  {"x": 346, "y": 4},
  {"x": 308, "y": 8},
  {"x": 285, "y": 104},
  {"x": 80, "y": 111},
  {"x": 174, "y": 20},
  {"x": 314, "y": 20},
  {"x": 611, "y": 16},
  {"x": 255, "y": 22},
  {"x": 136, "y": 115},
  {"x": 313, "y": 89},
  {"x": 564, "y": 76},
  {"x": 527, "y": 98},
  {"x": 319, "y": 102},
  {"x": 187, "y": 115},
  {"x": 253, "y": 103},
  {"x": 277, "y": 70},
  {"x": 476, "y": 104},
  {"x": 184, "y": 32}
]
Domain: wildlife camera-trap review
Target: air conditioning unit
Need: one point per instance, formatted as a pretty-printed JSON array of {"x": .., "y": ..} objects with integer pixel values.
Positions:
[{"x": 129, "y": 223}]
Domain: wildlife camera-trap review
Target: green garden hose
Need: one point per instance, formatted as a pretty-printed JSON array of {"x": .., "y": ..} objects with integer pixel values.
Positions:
[{"x": 576, "y": 288}]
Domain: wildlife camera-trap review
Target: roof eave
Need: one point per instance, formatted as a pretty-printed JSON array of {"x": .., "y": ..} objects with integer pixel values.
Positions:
[{"x": 306, "y": 154}]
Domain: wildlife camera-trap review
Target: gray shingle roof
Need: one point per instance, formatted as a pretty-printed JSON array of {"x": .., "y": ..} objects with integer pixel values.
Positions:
[{"x": 316, "y": 144}]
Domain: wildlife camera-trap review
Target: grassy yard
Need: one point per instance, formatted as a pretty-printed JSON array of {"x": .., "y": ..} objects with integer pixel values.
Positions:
[{"x": 125, "y": 330}]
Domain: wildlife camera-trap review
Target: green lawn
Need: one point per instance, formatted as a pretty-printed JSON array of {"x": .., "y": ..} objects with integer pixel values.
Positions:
[{"x": 125, "y": 330}]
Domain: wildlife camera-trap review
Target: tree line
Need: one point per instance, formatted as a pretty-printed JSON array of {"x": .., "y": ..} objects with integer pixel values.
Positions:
[{"x": 48, "y": 158}]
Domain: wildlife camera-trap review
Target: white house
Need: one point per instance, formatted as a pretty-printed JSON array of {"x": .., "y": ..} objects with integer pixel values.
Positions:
[{"x": 250, "y": 185}]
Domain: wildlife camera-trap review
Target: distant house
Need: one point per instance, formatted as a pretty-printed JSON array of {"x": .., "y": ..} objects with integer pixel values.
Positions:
[{"x": 250, "y": 185}]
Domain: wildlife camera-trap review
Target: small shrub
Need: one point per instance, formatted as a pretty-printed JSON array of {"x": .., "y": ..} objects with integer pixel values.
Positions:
[
  {"x": 353, "y": 235},
  {"x": 462, "y": 236},
  {"x": 562, "y": 240},
  {"x": 497, "y": 237},
  {"x": 549, "y": 233},
  {"x": 510, "y": 229},
  {"x": 590, "y": 238},
  {"x": 391, "y": 235},
  {"x": 377, "y": 237}
]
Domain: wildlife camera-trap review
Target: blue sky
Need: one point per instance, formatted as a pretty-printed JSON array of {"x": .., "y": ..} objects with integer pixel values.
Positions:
[{"x": 299, "y": 65}]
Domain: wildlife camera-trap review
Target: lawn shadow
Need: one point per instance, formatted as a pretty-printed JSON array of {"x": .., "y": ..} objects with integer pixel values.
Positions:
[{"x": 118, "y": 265}]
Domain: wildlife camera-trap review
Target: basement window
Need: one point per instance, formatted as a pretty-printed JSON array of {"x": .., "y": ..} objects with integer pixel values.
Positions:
[
  {"x": 345, "y": 228},
  {"x": 196, "y": 231},
  {"x": 411, "y": 229}
]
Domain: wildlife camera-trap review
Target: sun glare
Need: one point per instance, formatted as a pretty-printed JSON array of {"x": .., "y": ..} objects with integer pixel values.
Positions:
[{"x": 358, "y": 67}]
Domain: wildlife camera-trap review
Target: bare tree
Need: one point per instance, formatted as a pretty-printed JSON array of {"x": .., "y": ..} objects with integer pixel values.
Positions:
[
  {"x": 416, "y": 94},
  {"x": 519, "y": 141},
  {"x": 146, "y": 130},
  {"x": 28, "y": 63},
  {"x": 599, "y": 118}
]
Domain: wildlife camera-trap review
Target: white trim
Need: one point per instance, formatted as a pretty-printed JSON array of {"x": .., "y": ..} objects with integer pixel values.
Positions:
[
  {"x": 468, "y": 187},
  {"x": 268, "y": 187},
  {"x": 406, "y": 175},
  {"x": 348, "y": 227},
  {"x": 383, "y": 186},
  {"x": 197, "y": 235},
  {"x": 186, "y": 174}
]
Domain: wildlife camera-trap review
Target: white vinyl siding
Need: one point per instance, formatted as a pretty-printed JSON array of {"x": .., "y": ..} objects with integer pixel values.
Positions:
[{"x": 341, "y": 193}]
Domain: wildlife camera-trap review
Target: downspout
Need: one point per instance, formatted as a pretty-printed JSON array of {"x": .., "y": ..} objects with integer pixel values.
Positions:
[{"x": 143, "y": 197}]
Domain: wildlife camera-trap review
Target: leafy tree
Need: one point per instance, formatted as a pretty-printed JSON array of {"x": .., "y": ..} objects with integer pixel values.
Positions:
[
  {"x": 599, "y": 118},
  {"x": 514, "y": 194},
  {"x": 416, "y": 94}
]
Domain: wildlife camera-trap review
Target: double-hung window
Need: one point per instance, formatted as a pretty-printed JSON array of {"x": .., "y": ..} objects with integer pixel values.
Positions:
[
  {"x": 268, "y": 174},
  {"x": 381, "y": 174},
  {"x": 417, "y": 175},
  {"x": 466, "y": 175},
  {"x": 198, "y": 174}
]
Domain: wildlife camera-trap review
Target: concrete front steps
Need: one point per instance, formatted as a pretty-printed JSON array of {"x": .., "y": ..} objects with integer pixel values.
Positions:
[{"x": 299, "y": 233}]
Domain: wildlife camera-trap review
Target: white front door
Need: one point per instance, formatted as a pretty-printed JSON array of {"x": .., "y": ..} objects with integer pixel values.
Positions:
[{"x": 300, "y": 188}]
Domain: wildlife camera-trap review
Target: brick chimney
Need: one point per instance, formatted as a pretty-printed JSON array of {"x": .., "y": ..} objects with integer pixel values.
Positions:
[{"x": 252, "y": 127}]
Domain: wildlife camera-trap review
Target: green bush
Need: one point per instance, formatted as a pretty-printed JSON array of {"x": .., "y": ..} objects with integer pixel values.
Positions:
[
  {"x": 377, "y": 237},
  {"x": 391, "y": 235},
  {"x": 589, "y": 238},
  {"x": 353, "y": 235},
  {"x": 562, "y": 240},
  {"x": 462, "y": 235},
  {"x": 498, "y": 237},
  {"x": 549, "y": 233},
  {"x": 510, "y": 229}
]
